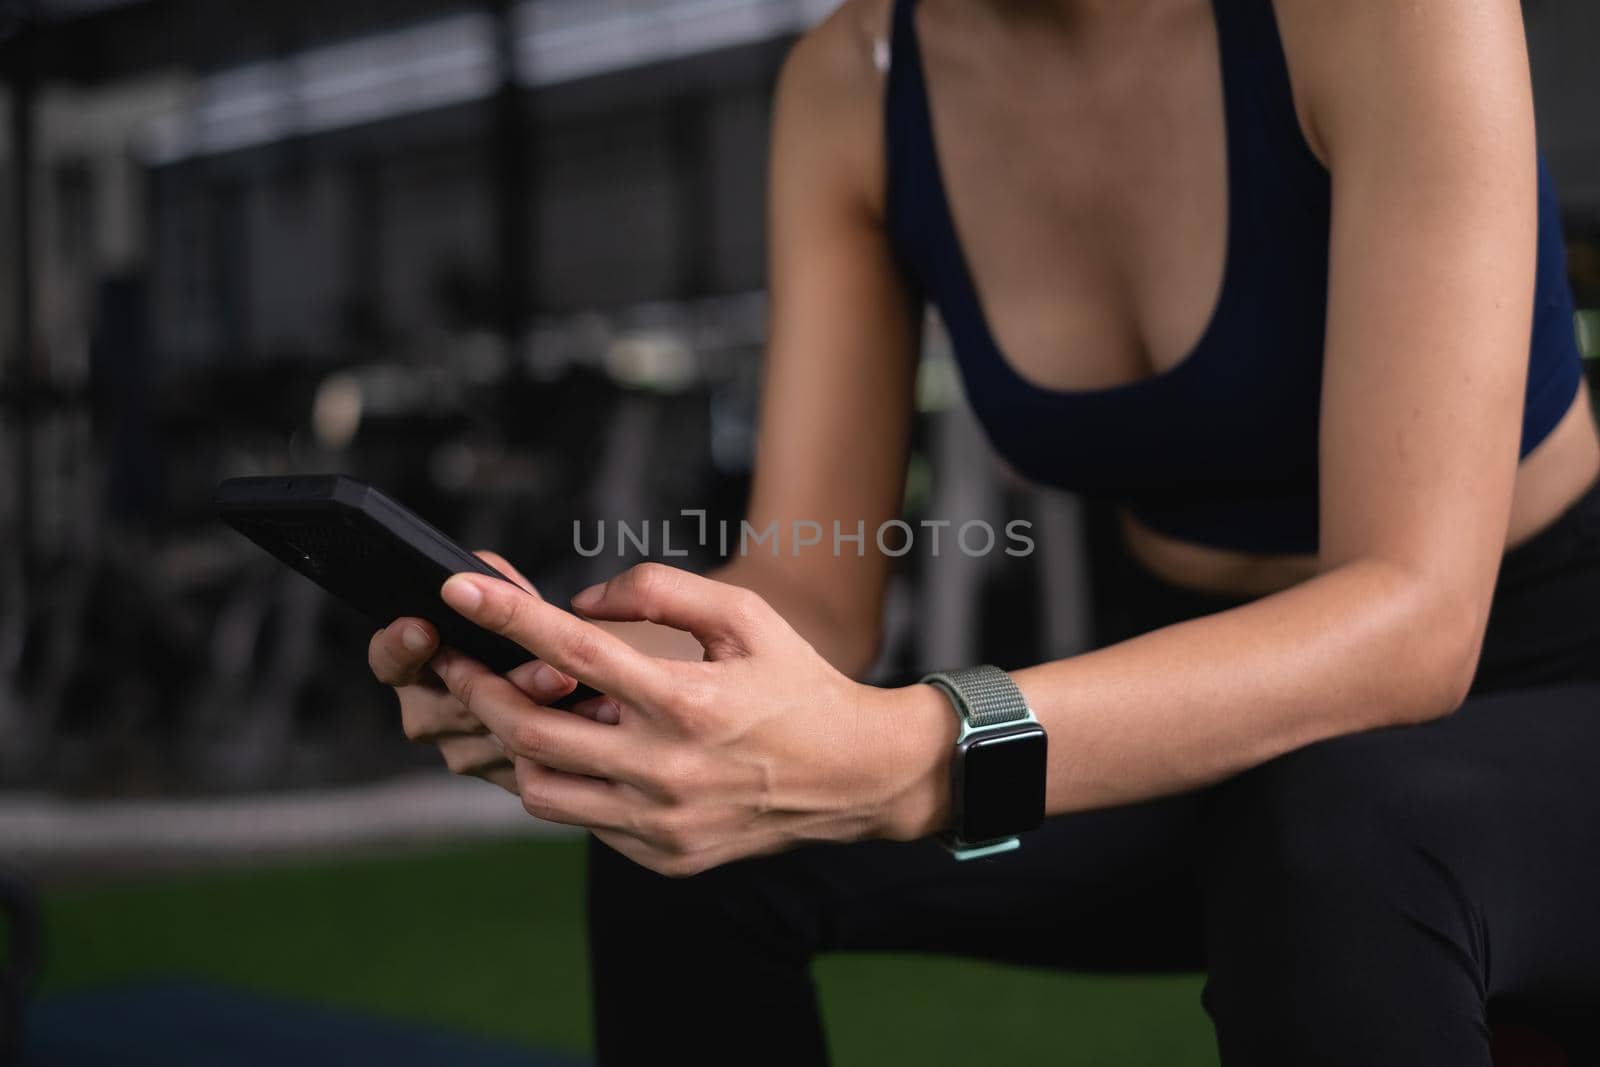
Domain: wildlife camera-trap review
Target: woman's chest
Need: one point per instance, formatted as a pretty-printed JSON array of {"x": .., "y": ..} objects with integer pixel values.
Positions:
[{"x": 1091, "y": 209}]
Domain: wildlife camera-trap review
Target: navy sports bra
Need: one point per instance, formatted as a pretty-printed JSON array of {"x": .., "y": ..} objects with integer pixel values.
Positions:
[{"x": 1220, "y": 449}]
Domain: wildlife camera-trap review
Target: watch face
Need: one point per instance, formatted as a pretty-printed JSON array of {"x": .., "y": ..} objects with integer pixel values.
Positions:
[{"x": 1002, "y": 784}]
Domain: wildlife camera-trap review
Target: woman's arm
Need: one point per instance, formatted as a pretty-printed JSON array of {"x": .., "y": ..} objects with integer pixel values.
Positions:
[{"x": 1423, "y": 113}]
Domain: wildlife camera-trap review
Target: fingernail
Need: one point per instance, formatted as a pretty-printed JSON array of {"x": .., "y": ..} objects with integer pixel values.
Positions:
[
  {"x": 415, "y": 638},
  {"x": 547, "y": 679},
  {"x": 590, "y": 596},
  {"x": 608, "y": 713},
  {"x": 462, "y": 593}
]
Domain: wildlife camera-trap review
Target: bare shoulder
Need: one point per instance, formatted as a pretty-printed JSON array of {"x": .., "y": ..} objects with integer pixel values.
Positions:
[
  {"x": 1363, "y": 34},
  {"x": 837, "y": 59},
  {"x": 830, "y": 94},
  {"x": 1353, "y": 60}
]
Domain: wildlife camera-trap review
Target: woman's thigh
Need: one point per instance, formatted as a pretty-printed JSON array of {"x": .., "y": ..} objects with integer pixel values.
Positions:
[
  {"x": 1409, "y": 878},
  {"x": 1362, "y": 898}
]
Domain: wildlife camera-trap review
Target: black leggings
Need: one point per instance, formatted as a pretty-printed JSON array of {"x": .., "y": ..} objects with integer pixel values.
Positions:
[{"x": 1376, "y": 899}]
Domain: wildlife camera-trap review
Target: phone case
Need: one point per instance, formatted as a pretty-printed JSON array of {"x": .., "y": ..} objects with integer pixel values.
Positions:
[{"x": 369, "y": 551}]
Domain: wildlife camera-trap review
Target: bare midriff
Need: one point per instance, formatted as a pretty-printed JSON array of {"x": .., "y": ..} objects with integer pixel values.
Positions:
[{"x": 1550, "y": 479}]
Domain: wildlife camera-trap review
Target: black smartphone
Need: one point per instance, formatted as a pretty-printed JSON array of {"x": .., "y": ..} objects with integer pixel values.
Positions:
[{"x": 370, "y": 551}]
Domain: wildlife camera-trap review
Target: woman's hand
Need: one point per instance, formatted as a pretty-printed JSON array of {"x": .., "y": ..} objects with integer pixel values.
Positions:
[
  {"x": 430, "y": 714},
  {"x": 685, "y": 765}
]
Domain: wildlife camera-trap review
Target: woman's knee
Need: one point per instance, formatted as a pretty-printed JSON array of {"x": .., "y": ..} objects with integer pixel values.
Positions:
[{"x": 737, "y": 909}]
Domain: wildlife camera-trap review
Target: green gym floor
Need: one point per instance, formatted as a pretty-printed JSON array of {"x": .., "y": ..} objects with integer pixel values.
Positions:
[{"x": 487, "y": 939}]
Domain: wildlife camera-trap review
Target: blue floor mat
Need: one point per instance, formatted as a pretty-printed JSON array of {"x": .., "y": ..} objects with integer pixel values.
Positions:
[{"x": 183, "y": 1025}]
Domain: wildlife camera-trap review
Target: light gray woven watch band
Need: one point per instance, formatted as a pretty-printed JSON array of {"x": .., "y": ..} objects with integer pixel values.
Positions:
[{"x": 985, "y": 696}]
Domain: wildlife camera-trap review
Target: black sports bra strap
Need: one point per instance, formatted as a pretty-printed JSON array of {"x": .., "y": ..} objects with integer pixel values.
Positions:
[
  {"x": 907, "y": 142},
  {"x": 904, "y": 82},
  {"x": 901, "y": 30}
]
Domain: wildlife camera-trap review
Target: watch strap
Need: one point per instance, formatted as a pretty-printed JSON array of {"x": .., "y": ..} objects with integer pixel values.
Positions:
[{"x": 985, "y": 698}]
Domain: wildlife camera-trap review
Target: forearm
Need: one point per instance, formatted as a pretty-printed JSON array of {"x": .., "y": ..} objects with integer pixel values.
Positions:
[
  {"x": 848, "y": 640},
  {"x": 1359, "y": 647}
]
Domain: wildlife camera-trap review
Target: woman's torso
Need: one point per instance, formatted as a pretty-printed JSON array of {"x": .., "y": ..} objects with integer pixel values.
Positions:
[{"x": 1102, "y": 222}]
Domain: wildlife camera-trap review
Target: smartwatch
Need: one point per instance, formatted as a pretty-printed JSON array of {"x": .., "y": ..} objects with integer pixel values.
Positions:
[{"x": 998, "y": 775}]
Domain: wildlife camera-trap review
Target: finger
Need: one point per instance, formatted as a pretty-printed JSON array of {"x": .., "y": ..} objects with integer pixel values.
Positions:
[
  {"x": 576, "y": 647},
  {"x": 548, "y": 736},
  {"x": 429, "y": 716},
  {"x": 468, "y": 755},
  {"x": 504, "y": 776},
  {"x": 573, "y": 799},
  {"x": 503, "y": 565},
  {"x": 723, "y": 617},
  {"x": 428, "y": 679},
  {"x": 601, "y": 709},
  {"x": 542, "y": 682},
  {"x": 399, "y": 651}
]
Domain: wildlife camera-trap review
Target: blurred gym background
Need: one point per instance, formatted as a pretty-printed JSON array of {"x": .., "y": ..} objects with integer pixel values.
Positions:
[{"x": 505, "y": 260}]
